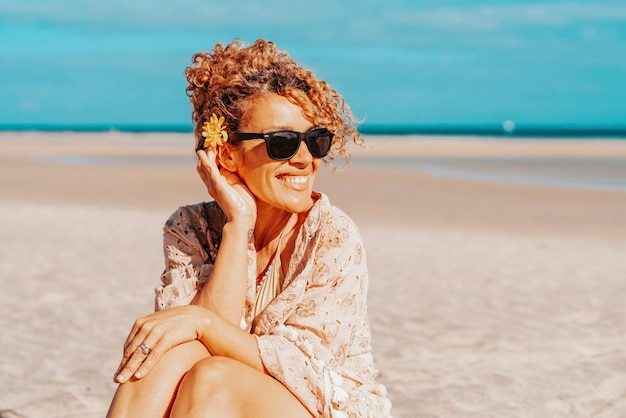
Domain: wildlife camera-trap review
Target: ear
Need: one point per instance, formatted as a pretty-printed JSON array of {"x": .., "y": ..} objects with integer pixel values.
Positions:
[{"x": 227, "y": 157}]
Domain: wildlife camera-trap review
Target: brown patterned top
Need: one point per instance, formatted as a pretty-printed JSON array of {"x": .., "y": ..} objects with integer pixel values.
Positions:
[{"x": 314, "y": 336}]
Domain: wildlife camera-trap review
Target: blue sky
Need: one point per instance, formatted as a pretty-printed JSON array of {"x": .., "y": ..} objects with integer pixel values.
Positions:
[{"x": 396, "y": 62}]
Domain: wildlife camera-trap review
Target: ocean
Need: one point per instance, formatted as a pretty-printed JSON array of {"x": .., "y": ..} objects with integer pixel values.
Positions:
[{"x": 530, "y": 131}]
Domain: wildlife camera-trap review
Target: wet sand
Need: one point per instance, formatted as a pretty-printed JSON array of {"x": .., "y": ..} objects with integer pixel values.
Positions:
[{"x": 487, "y": 297}]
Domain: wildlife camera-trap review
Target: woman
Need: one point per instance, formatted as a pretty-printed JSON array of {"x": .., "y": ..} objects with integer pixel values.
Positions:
[{"x": 262, "y": 307}]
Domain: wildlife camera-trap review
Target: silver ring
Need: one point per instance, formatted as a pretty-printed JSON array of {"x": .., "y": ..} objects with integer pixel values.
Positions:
[{"x": 145, "y": 349}]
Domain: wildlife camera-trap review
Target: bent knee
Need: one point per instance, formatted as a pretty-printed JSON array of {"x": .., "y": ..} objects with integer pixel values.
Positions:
[
  {"x": 135, "y": 397},
  {"x": 211, "y": 384},
  {"x": 211, "y": 388},
  {"x": 213, "y": 371}
]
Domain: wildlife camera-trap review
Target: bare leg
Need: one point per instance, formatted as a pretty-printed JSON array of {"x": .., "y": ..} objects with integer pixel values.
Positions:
[
  {"x": 153, "y": 395},
  {"x": 225, "y": 388}
]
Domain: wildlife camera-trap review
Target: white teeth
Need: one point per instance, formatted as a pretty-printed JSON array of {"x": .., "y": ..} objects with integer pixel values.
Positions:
[{"x": 294, "y": 179}]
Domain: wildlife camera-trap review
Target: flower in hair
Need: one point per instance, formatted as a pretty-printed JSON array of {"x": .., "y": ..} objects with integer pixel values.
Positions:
[{"x": 214, "y": 132}]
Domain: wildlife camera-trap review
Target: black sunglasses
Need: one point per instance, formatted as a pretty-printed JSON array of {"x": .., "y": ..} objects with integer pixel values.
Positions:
[{"x": 282, "y": 145}]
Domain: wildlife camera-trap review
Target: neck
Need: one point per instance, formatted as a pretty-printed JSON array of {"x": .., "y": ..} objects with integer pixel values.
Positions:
[{"x": 270, "y": 223}]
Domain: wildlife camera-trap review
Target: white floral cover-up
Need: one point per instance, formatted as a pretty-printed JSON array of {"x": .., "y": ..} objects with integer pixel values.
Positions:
[{"x": 314, "y": 337}]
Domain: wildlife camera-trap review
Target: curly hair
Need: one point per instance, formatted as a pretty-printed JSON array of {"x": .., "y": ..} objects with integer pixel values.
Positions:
[{"x": 223, "y": 81}]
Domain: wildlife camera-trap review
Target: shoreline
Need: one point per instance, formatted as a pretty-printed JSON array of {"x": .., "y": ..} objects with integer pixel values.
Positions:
[
  {"x": 511, "y": 186},
  {"x": 566, "y": 163}
]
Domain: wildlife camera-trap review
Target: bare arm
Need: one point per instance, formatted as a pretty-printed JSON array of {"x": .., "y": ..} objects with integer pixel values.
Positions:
[{"x": 225, "y": 291}]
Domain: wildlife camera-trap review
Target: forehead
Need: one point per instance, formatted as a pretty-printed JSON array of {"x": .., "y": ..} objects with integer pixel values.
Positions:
[{"x": 271, "y": 112}]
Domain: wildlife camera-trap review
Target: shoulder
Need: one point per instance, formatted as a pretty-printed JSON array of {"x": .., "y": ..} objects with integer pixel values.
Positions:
[
  {"x": 330, "y": 216},
  {"x": 195, "y": 229},
  {"x": 332, "y": 226},
  {"x": 335, "y": 247},
  {"x": 198, "y": 215}
]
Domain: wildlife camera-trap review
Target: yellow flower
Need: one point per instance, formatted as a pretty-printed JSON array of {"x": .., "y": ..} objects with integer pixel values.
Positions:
[{"x": 214, "y": 132}]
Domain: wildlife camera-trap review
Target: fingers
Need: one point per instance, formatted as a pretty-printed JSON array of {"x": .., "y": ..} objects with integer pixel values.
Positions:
[
  {"x": 143, "y": 347},
  {"x": 202, "y": 172},
  {"x": 128, "y": 369},
  {"x": 150, "y": 359},
  {"x": 210, "y": 173},
  {"x": 208, "y": 168},
  {"x": 226, "y": 187},
  {"x": 207, "y": 159},
  {"x": 219, "y": 181},
  {"x": 129, "y": 347},
  {"x": 141, "y": 360}
]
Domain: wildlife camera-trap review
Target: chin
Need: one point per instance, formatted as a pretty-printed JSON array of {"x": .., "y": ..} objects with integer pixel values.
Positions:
[{"x": 299, "y": 205}]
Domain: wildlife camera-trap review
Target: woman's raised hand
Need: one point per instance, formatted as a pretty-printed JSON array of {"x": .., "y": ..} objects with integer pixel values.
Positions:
[
  {"x": 154, "y": 334},
  {"x": 228, "y": 190}
]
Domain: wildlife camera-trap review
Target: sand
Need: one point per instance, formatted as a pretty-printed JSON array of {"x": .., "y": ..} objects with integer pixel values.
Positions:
[{"x": 487, "y": 298}]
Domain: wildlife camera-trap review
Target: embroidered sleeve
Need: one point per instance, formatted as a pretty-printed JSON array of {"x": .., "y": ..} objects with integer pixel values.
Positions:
[
  {"x": 321, "y": 353},
  {"x": 190, "y": 241}
]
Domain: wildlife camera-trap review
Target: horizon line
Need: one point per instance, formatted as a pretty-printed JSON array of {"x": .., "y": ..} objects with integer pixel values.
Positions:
[{"x": 501, "y": 130}]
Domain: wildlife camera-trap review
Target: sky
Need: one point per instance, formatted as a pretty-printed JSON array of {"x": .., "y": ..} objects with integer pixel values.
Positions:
[{"x": 438, "y": 62}]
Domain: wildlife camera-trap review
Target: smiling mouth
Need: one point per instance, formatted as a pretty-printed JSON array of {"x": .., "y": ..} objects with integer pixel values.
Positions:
[{"x": 294, "y": 180}]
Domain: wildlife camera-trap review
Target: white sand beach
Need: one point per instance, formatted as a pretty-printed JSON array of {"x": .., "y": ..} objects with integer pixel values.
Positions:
[{"x": 487, "y": 298}]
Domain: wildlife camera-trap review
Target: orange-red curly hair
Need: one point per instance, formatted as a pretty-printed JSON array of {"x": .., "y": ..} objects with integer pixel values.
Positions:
[{"x": 223, "y": 80}]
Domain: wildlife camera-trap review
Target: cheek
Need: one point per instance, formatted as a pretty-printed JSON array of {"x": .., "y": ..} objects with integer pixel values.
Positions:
[
  {"x": 252, "y": 156},
  {"x": 246, "y": 163},
  {"x": 256, "y": 172}
]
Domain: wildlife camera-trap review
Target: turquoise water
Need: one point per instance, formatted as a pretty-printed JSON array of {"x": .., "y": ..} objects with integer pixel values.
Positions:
[{"x": 548, "y": 131}]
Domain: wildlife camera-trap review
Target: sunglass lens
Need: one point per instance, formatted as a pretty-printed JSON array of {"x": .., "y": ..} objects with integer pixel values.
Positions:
[
  {"x": 282, "y": 145},
  {"x": 319, "y": 143}
]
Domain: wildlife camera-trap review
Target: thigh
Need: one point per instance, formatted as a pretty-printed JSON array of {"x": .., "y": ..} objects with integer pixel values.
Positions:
[
  {"x": 219, "y": 386},
  {"x": 153, "y": 395}
]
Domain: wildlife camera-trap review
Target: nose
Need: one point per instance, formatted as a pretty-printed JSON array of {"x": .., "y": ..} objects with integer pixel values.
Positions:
[{"x": 303, "y": 156}]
